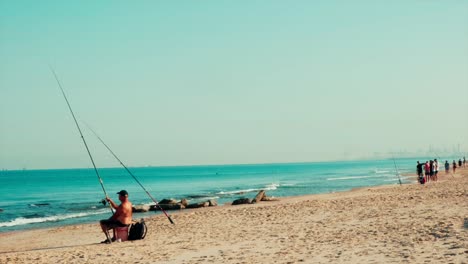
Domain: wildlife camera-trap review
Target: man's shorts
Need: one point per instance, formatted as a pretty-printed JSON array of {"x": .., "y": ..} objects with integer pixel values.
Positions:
[{"x": 109, "y": 223}]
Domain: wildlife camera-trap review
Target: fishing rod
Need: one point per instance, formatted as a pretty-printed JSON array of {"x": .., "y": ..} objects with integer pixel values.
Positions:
[
  {"x": 82, "y": 137},
  {"x": 397, "y": 173},
  {"x": 129, "y": 172}
]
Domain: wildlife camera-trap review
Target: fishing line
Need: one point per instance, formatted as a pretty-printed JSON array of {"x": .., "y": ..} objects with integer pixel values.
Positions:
[
  {"x": 396, "y": 168},
  {"x": 82, "y": 137},
  {"x": 129, "y": 172}
]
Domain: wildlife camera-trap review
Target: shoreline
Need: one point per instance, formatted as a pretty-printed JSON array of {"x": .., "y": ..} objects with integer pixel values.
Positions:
[
  {"x": 176, "y": 211},
  {"x": 388, "y": 223},
  {"x": 44, "y": 225}
]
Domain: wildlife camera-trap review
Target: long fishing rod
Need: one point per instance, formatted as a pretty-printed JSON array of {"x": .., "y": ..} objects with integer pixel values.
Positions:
[
  {"x": 129, "y": 172},
  {"x": 82, "y": 137},
  {"x": 397, "y": 173}
]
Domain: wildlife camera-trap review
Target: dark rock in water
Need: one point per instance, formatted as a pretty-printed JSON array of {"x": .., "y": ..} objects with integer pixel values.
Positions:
[
  {"x": 259, "y": 196},
  {"x": 198, "y": 205},
  {"x": 141, "y": 208},
  {"x": 242, "y": 201},
  {"x": 167, "y": 201},
  {"x": 1, "y": 210},
  {"x": 176, "y": 206}
]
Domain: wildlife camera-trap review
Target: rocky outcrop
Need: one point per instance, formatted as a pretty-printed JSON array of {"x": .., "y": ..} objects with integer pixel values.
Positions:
[
  {"x": 168, "y": 201},
  {"x": 269, "y": 199},
  {"x": 184, "y": 202},
  {"x": 141, "y": 208},
  {"x": 171, "y": 204},
  {"x": 259, "y": 196},
  {"x": 242, "y": 201},
  {"x": 198, "y": 205},
  {"x": 165, "y": 207}
]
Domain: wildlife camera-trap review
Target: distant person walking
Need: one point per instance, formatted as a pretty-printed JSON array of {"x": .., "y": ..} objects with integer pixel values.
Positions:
[
  {"x": 454, "y": 166},
  {"x": 459, "y": 163},
  {"x": 427, "y": 170},
  {"x": 419, "y": 171},
  {"x": 436, "y": 169},
  {"x": 431, "y": 167},
  {"x": 464, "y": 162},
  {"x": 447, "y": 167}
]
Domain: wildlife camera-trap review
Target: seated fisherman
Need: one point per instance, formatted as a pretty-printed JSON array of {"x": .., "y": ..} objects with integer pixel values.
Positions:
[{"x": 122, "y": 216}]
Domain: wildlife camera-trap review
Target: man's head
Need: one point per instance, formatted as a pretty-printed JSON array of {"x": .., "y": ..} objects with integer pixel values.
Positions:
[{"x": 123, "y": 194}]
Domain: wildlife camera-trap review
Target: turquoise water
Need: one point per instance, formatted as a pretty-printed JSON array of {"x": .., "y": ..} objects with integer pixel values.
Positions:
[{"x": 46, "y": 198}]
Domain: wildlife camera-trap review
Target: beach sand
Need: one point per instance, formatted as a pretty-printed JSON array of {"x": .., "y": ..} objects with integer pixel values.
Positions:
[{"x": 412, "y": 223}]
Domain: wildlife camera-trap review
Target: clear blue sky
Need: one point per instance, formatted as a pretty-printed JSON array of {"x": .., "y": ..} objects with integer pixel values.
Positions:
[{"x": 217, "y": 82}]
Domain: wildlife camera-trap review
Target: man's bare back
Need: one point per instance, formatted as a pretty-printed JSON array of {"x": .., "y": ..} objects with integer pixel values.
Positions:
[{"x": 124, "y": 213}]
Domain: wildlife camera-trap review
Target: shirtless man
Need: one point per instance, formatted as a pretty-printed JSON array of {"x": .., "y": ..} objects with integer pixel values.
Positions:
[{"x": 122, "y": 216}]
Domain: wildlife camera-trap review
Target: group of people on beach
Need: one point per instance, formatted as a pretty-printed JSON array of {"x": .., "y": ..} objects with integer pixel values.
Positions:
[{"x": 431, "y": 169}]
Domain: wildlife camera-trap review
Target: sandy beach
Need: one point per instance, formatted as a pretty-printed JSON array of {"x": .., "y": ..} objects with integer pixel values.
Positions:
[{"x": 412, "y": 223}]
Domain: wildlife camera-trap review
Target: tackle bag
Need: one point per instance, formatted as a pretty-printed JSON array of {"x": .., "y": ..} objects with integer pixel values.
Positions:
[
  {"x": 422, "y": 180},
  {"x": 137, "y": 230}
]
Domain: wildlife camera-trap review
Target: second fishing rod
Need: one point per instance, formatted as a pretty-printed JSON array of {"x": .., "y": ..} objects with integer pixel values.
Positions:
[{"x": 129, "y": 172}]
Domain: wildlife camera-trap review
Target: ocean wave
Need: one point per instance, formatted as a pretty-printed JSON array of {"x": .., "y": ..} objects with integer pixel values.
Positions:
[
  {"x": 350, "y": 178},
  {"x": 39, "y": 204},
  {"x": 55, "y": 218},
  {"x": 381, "y": 171},
  {"x": 237, "y": 192},
  {"x": 269, "y": 187}
]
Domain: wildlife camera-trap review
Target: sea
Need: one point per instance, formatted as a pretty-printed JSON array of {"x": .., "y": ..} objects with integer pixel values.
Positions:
[{"x": 32, "y": 199}]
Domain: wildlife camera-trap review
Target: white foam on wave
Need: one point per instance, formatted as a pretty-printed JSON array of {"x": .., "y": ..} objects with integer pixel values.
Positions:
[
  {"x": 381, "y": 171},
  {"x": 237, "y": 192},
  {"x": 211, "y": 198},
  {"x": 391, "y": 180},
  {"x": 350, "y": 178},
  {"x": 25, "y": 221},
  {"x": 272, "y": 186},
  {"x": 269, "y": 187}
]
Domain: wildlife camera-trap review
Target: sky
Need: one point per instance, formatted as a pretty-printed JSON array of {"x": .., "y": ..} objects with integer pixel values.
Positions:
[{"x": 167, "y": 83}]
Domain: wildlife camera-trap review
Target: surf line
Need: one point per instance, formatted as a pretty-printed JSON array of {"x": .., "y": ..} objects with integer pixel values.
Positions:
[
  {"x": 129, "y": 172},
  {"x": 396, "y": 169},
  {"x": 82, "y": 137}
]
